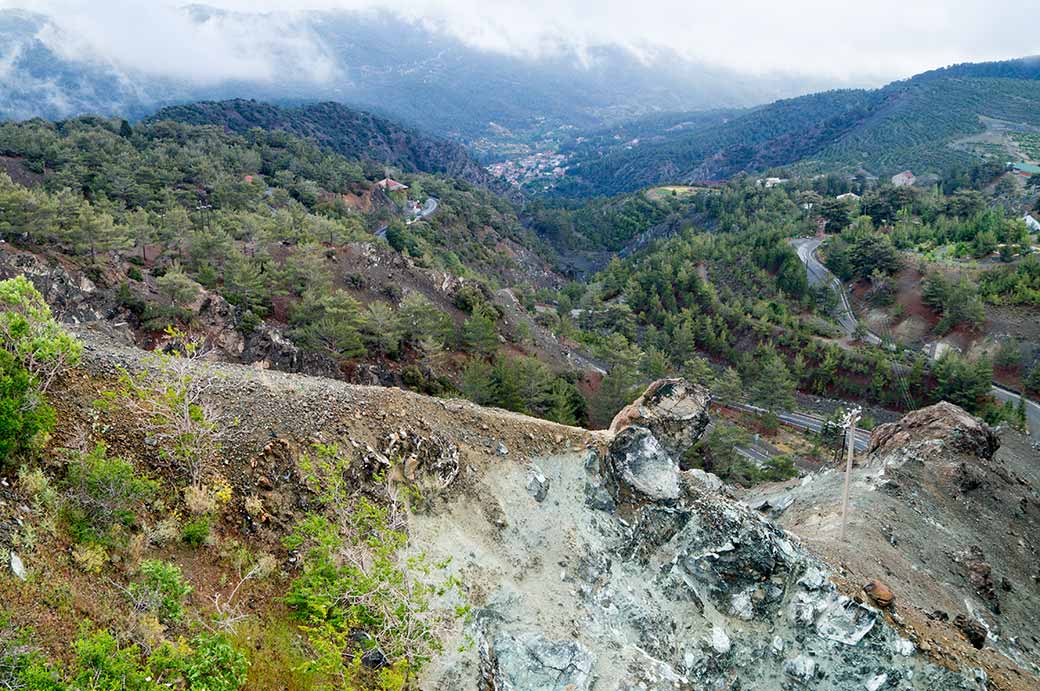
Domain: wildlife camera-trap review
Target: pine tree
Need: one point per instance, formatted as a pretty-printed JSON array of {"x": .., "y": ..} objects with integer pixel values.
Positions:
[
  {"x": 178, "y": 288},
  {"x": 615, "y": 391},
  {"x": 697, "y": 370},
  {"x": 561, "y": 403},
  {"x": 479, "y": 334},
  {"x": 773, "y": 388},
  {"x": 382, "y": 329},
  {"x": 729, "y": 388},
  {"x": 1032, "y": 380}
]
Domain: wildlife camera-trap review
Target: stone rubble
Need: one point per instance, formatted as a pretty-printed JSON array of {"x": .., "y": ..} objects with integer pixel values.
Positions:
[{"x": 639, "y": 576}]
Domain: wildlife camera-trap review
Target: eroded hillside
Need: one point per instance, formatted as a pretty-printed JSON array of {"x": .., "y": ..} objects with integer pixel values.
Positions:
[{"x": 564, "y": 558}]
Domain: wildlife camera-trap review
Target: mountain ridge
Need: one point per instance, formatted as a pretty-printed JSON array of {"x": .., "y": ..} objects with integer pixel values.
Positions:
[
  {"x": 390, "y": 66},
  {"x": 912, "y": 123},
  {"x": 347, "y": 131}
]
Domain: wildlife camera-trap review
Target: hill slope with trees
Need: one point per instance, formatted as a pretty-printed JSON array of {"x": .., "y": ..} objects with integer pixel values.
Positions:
[
  {"x": 916, "y": 124},
  {"x": 349, "y": 132}
]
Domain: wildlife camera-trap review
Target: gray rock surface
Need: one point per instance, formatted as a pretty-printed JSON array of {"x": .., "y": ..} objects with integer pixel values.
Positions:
[
  {"x": 661, "y": 585},
  {"x": 957, "y": 428},
  {"x": 675, "y": 410},
  {"x": 641, "y": 464},
  {"x": 18, "y": 567},
  {"x": 530, "y": 662},
  {"x": 537, "y": 484}
]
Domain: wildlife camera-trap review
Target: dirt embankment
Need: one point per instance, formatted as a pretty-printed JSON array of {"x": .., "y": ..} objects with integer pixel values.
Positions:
[
  {"x": 945, "y": 522},
  {"x": 585, "y": 555}
]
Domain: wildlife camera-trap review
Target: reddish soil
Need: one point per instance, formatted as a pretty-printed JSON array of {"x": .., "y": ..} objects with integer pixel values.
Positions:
[{"x": 15, "y": 168}]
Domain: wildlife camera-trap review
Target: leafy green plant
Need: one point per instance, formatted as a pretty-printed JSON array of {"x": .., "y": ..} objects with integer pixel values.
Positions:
[
  {"x": 214, "y": 664},
  {"x": 34, "y": 350},
  {"x": 210, "y": 662},
  {"x": 24, "y": 416},
  {"x": 102, "y": 664},
  {"x": 356, "y": 601},
  {"x": 174, "y": 407},
  {"x": 161, "y": 590},
  {"x": 196, "y": 531},
  {"x": 103, "y": 496},
  {"x": 29, "y": 332}
]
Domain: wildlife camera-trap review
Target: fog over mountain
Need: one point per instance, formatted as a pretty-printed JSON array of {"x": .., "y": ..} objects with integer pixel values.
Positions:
[{"x": 457, "y": 69}]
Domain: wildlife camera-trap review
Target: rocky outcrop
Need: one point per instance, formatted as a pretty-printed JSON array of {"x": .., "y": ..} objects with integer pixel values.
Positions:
[
  {"x": 631, "y": 574},
  {"x": 268, "y": 347},
  {"x": 73, "y": 296},
  {"x": 674, "y": 410},
  {"x": 639, "y": 464},
  {"x": 945, "y": 422},
  {"x": 946, "y": 514}
]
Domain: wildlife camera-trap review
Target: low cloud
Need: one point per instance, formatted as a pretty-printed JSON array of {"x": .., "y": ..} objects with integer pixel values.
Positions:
[
  {"x": 185, "y": 43},
  {"x": 265, "y": 40}
]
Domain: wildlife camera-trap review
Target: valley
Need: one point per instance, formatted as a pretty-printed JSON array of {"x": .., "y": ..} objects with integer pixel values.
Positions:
[{"x": 402, "y": 353}]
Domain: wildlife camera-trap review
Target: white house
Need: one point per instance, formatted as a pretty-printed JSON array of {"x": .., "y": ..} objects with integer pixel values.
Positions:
[
  {"x": 904, "y": 179},
  {"x": 1032, "y": 223}
]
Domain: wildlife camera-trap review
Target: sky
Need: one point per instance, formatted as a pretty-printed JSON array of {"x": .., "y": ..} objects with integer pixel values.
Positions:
[{"x": 863, "y": 42}]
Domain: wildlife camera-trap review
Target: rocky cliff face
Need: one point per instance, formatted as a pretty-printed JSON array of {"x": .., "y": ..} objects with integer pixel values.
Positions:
[
  {"x": 622, "y": 572},
  {"x": 590, "y": 560},
  {"x": 944, "y": 510}
]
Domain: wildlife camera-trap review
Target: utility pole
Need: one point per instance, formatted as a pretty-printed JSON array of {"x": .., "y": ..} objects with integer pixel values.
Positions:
[{"x": 850, "y": 443}]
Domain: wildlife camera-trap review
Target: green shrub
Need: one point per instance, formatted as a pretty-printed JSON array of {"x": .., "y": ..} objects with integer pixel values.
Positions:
[
  {"x": 30, "y": 333},
  {"x": 250, "y": 320},
  {"x": 196, "y": 531},
  {"x": 134, "y": 274},
  {"x": 209, "y": 663},
  {"x": 102, "y": 665},
  {"x": 349, "y": 607},
  {"x": 158, "y": 317},
  {"x": 34, "y": 350},
  {"x": 21, "y": 666},
  {"x": 214, "y": 664},
  {"x": 24, "y": 416},
  {"x": 161, "y": 590},
  {"x": 103, "y": 496}
]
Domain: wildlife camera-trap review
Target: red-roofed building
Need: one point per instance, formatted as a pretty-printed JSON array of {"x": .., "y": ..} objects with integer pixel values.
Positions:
[
  {"x": 904, "y": 179},
  {"x": 391, "y": 185}
]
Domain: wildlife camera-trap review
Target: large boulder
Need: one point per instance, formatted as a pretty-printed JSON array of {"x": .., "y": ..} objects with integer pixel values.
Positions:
[
  {"x": 951, "y": 425},
  {"x": 641, "y": 465},
  {"x": 531, "y": 662},
  {"x": 674, "y": 410}
]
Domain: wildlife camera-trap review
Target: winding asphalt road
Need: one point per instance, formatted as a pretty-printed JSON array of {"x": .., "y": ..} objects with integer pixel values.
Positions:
[
  {"x": 820, "y": 275},
  {"x": 806, "y": 422},
  {"x": 429, "y": 206}
]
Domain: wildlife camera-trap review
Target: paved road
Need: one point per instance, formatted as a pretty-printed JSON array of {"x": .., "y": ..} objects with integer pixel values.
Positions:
[
  {"x": 806, "y": 422},
  {"x": 1032, "y": 408},
  {"x": 819, "y": 275},
  {"x": 429, "y": 206},
  {"x": 757, "y": 454}
]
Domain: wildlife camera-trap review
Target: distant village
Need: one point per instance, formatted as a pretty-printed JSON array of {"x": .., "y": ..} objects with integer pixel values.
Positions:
[{"x": 543, "y": 164}]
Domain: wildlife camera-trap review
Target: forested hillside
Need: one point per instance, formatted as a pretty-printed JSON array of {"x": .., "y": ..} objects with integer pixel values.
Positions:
[
  {"x": 346, "y": 131},
  {"x": 276, "y": 250},
  {"x": 720, "y": 292},
  {"x": 922, "y": 124}
]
